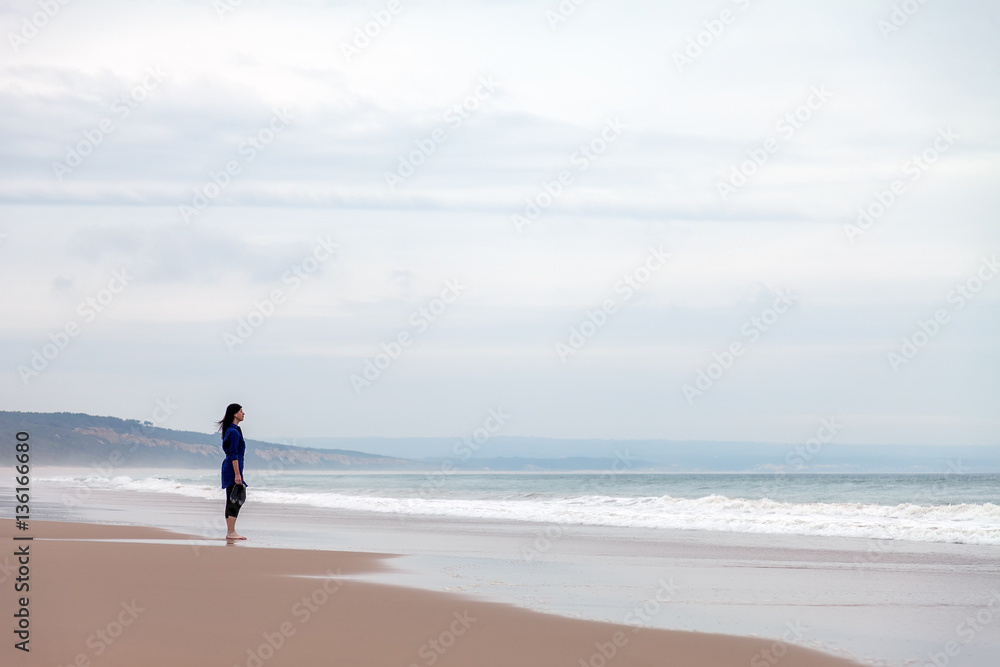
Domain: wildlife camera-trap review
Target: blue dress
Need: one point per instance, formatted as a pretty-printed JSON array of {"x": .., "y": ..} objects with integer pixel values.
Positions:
[{"x": 234, "y": 448}]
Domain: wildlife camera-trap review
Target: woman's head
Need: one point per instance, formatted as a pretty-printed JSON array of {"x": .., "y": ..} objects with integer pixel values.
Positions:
[{"x": 234, "y": 415}]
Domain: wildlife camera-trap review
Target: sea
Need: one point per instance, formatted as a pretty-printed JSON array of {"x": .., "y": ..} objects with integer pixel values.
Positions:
[{"x": 944, "y": 508}]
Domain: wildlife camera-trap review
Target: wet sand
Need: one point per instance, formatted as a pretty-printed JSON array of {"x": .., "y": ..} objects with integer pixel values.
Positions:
[{"x": 120, "y": 595}]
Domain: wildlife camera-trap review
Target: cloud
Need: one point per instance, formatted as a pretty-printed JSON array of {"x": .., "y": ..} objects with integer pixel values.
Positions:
[{"x": 653, "y": 184}]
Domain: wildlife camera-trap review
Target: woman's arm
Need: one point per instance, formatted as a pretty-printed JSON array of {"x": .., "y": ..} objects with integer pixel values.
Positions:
[{"x": 236, "y": 469}]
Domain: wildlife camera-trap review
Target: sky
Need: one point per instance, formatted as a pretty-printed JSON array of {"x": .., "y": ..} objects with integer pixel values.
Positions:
[{"x": 669, "y": 220}]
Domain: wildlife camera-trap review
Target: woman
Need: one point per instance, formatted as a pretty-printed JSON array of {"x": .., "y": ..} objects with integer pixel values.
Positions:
[{"x": 234, "y": 448}]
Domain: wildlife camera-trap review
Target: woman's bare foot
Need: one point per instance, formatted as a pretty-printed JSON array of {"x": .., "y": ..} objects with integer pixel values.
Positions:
[{"x": 234, "y": 536}]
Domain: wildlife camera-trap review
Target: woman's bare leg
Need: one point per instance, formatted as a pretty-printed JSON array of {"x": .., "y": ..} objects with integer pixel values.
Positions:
[{"x": 232, "y": 534}]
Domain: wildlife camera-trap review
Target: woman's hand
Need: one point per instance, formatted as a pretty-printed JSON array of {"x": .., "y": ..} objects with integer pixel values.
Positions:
[{"x": 239, "y": 479}]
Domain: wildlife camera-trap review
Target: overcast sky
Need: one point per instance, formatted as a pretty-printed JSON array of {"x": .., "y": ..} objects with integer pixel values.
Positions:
[{"x": 677, "y": 182}]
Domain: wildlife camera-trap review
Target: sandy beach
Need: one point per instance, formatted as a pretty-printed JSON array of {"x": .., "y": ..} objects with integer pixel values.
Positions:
[
  {"x": 120, "y": 595},
  {"x": 482, "y": 333},
  {"x": 541, "y": 594}
]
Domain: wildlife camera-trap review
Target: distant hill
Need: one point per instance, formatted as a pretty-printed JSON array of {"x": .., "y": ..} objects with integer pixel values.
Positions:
[
  {"x": 73, "y": 439},
  {"x": 70, "y": 439}
]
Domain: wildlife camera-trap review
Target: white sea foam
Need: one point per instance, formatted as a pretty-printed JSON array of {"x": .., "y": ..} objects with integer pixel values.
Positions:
[{"x": 958, "y": 523}]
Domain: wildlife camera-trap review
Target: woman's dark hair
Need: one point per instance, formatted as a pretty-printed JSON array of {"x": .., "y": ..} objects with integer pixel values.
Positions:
[{"x": 227, "y": 421}]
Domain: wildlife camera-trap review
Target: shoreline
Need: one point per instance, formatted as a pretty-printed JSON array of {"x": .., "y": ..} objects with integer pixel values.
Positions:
[{"x": 143, "y": 601}]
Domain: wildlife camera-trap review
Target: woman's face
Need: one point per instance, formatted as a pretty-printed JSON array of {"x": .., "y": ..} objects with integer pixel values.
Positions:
[{"x": 238, "y": 417}]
